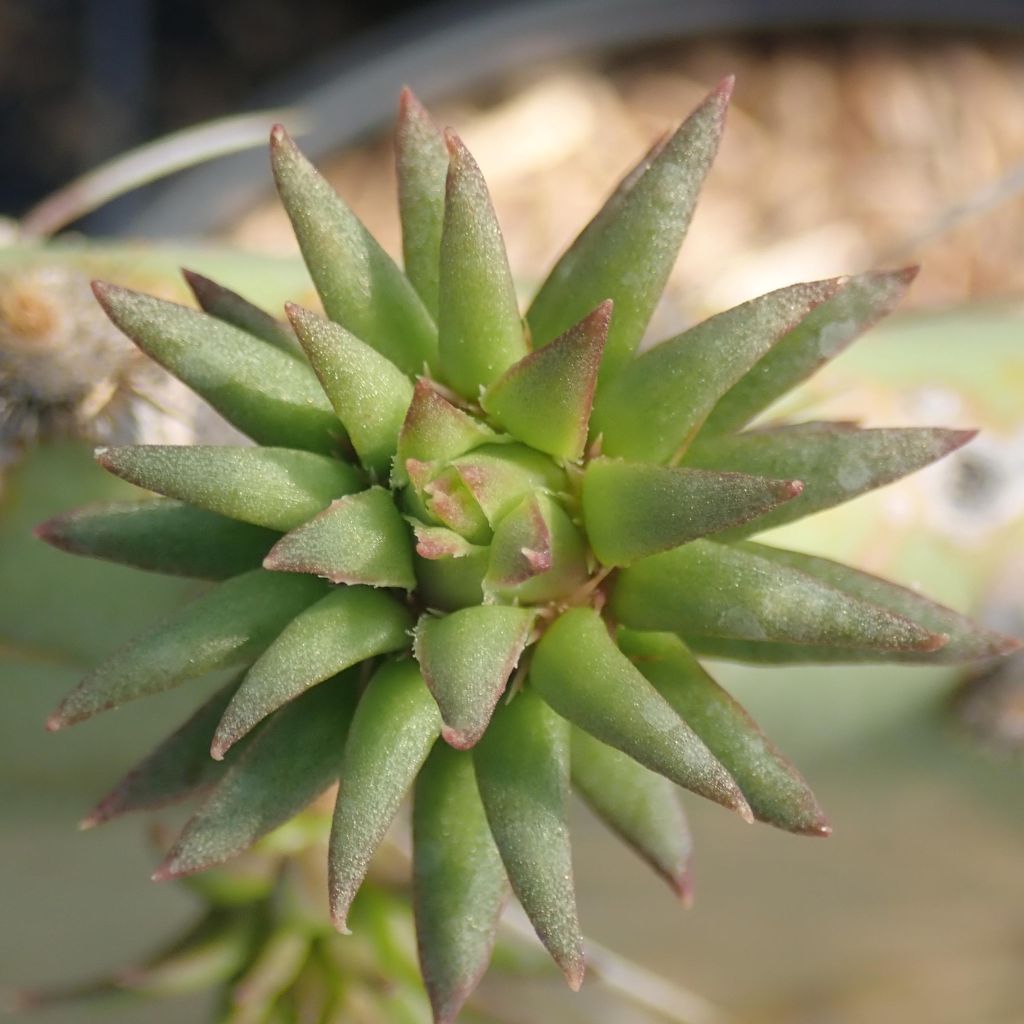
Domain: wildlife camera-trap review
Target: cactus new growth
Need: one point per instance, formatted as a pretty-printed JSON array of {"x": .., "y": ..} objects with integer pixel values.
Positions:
[{"x": 476, "y": 556}]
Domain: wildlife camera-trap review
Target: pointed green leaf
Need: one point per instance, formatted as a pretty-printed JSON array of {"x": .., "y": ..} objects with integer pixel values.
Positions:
[
  {"x": 161, "y": 535},
  {"x": 342, "y": 629},
  {"x": 278, "y": 488},
  {"x": 421, "y": 160},
  {"x": 706, "y": 590},
  {"x": 967, "y": 640},
  {"x": 459, "y": 884},
  {"x": 270, "y": 396},
  {"x": 857, "y": 304},
  {"x": 358, "y": 283},
  {"x": 522, "y": 771},
  {"x": 369, "y": 393},
  {"x": 537, "y": 554},
  {"x": 295, "y": 757},
  {"x": 467, "y": 658},
  {"x": 179, "y": 767},
  {"x": 545, "y": 399},
  {"x": 500, "y": 476},
  {"x": 627, "y": 252},
  {"x": 774, "y": 789},
  {"x": 229, "y": 306},
  {"x": 435, "y": 542},
  {"x": 580, "y": 672},
  {"x": 360, "y": 538},
  {"x": 228, "y": 626},
  {"x": 392, "y": 733},
  {"x": 480, "y": 334},
  {"x": 635, "y": 509},
  {"x": 434, "y": 429},
  {"x": 835, "y": 461},
  {"x": 656, "y": 405},
  {"x": 639, "y": 805},
  {"x": 452, "y": 582}
]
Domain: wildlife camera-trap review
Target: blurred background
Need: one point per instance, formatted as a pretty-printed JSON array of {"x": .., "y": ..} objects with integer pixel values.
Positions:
[{"x": 868, "y": 134}]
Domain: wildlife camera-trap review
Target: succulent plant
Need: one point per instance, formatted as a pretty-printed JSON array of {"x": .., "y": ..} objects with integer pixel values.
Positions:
[{"x": 478, "y": 556}]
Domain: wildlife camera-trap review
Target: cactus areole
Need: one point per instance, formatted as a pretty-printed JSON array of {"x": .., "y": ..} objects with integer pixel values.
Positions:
[{"x": 476, "y": 556}]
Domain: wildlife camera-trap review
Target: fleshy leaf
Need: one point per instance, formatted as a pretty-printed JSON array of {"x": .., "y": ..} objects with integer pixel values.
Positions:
[
  {"x": 446, "y": 499},
  {"x": 580, "y": 672},
  {"x": 967, "y": 640},
  {"x": 178, "y": 767},
  {"x": 270, "y": 396},
  {"x": 295, "y": 757},
  {"x": 467, "y": 658},
  {"x": 545, "y": 399},
  {"x": 436, "y": 542},
  {"x": 774, "y": 789},
  {"x": 656, "y": 405},
  {"x": 435, "y": 429},
  {"x": 421, "y": 162},
  {"x": 635, "y": 509},
  {"x": 369, "y": 393},
  {"x": 161, "y": 535},
  {"x": 392, "y": 733},
  {"x": 452, "y": 582},
  {"x": 537, "y": 554},
  {"x": 459, "y": 884},
  {"x": 342, "y": 629},
  {"x": 522, "y": 771},
  {"x": 627, "y": 252},
  {"x": 358, "y": 283},
  {"x": 726, "y": 592},
  {"x": 640, "y": 806},
  {"x": 279, "y": 488},
  {"x": 229, "y": 626},
  {"x": 480, "y": 334},
  {"x": 500, "y": 476},
  {"x": 360, "y": 538},
  {"x": 229, "y": 306},
  {"x": 858, "y": 303},
  {"x": 835, "y": 461}
]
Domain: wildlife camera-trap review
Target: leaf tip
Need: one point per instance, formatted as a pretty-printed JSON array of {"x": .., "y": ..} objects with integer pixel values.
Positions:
[
  {"x": 574, "y": 972},
  {"x": 167, "y": 871},
  {"x": 459, "y": 739}
]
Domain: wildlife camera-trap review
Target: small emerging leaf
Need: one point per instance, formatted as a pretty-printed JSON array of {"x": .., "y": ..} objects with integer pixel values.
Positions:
[
  {"x": 342, "y": 629},
  {"x": 500, "y": 476},
  {"x": 278, "y": 488},
  {"x": 392, "y": 733},
  {"x": 522, "y": 770},
  {"x": 467, "y": 658}
]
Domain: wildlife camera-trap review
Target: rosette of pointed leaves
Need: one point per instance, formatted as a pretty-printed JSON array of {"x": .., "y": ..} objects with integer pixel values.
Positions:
[{"x": 475, "y": 556}]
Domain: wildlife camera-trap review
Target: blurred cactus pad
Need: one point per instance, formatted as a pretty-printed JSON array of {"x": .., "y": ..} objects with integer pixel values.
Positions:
[{"x": 476, "y": 556}]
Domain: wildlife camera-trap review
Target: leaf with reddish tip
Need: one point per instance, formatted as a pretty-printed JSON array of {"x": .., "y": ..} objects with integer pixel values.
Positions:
[
  {"x": 628, "y": 250},
  {"x": 635, "y": 509},
  {"x": 359, "y": 284},
  {"x": 580, "y": 672},
  {"x": 500, "y": 476},
  {"x": 637, "y": 804},
  {"x": 448, "y": 500},
  {"x": 229, "y": 626},
  {"x": 656, "y": 405},
  {"x": 342, "y": 629},
  {"x": 467, "y": 658},
  {"x": 537, "y": 554},
  {"x": 522, "y": 771},
  {"x": 270, "y": 396},
  {"x": 480, "y": 334},
  {"x": 709, "y": 591},
  {"x": 835, "y": 461},
  {"x": 434, "y": 542},
  {"x": 459, "y": 884},
  {"x": 966, "y": 640},
  {"x": 421, "y": 162},
  {"x": 434, "y": 429},
  {"x": 369, "y": 393},
  {"x": 179, "y": 767},
  {"x": 392, "y": 733},
  {"x": 278, "y": 488},
  {"x": 292, "y": 760},
  {"x": 161, "y": 535},
  {"x": 545, "y": 399},
  {"x": 229, "y": 306},
  {"x": 774, "y": 789},
  {"x": 856, "y": 305}
]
